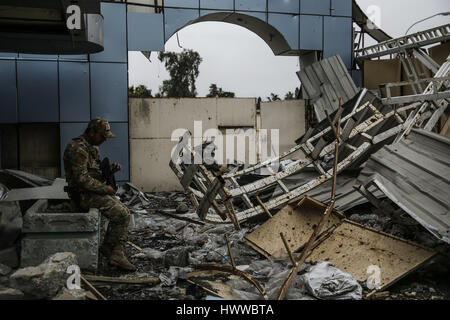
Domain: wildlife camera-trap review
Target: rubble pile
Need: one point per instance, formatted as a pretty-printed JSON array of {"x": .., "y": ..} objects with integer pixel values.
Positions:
[{"x": 169, "y": 248}]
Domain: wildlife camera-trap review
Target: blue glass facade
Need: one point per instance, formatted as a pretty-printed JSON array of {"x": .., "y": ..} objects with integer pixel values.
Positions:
[{"x": 72, "y": 89}]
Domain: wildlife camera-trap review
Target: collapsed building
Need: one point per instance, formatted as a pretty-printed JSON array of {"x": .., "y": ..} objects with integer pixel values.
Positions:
[{"x": 286, "y": 227}]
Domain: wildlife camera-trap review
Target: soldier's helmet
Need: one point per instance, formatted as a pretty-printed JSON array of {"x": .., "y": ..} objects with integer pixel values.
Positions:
[{"x": 102, "y": 126}]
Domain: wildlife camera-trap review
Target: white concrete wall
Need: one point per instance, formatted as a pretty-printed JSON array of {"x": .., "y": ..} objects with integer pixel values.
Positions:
[
  {"x": 289, "y": 117},
  {"x": 152, "y": 122}
]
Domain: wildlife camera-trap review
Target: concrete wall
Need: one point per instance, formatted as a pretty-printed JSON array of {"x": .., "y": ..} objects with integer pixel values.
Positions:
[
  {"x": 152, "y": 122},
  {"x": 289, "y": 117}
]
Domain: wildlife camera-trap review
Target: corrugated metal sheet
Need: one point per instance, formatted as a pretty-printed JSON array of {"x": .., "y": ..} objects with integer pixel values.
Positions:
[
  {"x": 346, "y": 196},
  {"x": 415, "y": 175},
  {"x": 325, "y": 82}
]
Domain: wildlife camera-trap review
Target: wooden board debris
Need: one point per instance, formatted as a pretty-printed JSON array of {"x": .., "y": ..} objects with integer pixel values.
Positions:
[{"x": 296, "y": 224}]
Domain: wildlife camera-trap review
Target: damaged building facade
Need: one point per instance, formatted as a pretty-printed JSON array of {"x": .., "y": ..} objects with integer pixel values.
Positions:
[{"x": 355, "y": 138}]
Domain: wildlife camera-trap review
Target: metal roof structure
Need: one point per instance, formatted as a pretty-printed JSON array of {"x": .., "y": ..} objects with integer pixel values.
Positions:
[
  {"x": 325, "y": 82},
  {"x": 415, "y": 175}
]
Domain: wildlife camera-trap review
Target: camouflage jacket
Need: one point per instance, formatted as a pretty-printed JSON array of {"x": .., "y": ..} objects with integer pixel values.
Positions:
[{"x": 82, "y": 165}]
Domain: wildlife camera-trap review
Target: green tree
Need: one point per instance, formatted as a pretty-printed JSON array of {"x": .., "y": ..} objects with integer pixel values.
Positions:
[
  {"x": 141, "y": 91},
  {"x": 273, "y": 97},
  {"x": 218, "y": 92},
  {"x": 183, "y": 69},
  {"x": 289, "y": 96}
]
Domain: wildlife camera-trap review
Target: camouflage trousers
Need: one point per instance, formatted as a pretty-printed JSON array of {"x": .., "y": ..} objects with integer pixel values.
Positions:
[{"x": 115, "y": 211}]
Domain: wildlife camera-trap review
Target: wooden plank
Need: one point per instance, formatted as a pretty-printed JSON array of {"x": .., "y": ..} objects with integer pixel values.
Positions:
[
  {"x": 92, "y": 288},
  {"x": 146, "y": 280},
  {"x": 333, "y": 80},
  {"x": 189, "y": 174},
  {"x": 319, "y": 72},
  {"x": 352, "y": 84},
  {"x": 313, "y": 77},
  {"x": 296, "y": 224},
  {"x": 331, "y": 93},
  {"x": 308, "y": 85},
  {"x": 344, "y": 78},
  {"x": 353, "y": 248},
  {"x": 339, "y": 76}
]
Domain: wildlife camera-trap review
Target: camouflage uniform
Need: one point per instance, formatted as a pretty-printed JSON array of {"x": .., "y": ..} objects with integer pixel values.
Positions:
[{"x": 85, "y": 184}]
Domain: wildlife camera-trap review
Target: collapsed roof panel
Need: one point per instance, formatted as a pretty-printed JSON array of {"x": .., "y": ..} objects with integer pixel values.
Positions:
[
  {"x": 325, "y": 82},
  {"x": 415, "y": 175},
  {"x": 350, "y": 247}
]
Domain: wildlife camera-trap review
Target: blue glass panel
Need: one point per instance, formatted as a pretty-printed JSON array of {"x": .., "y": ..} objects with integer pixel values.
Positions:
[
  {"x": 251, "y": 5},
  {"x": 175, "y": 19},
  {"x": 81, "y": 57},
  {"x": 68, "y": 131},
  {"x": 38, "y": 56},
  {"x": 259, "y": 15},
  {"x": 216, "y": 18},
  {"x": 8, "y": 91},
  {"x": 217, "y": 4},
  {"x": 341, "y": 8},
  {"x": 288, "y": 6},
  {"x": 74, "y": 91},
  {"x": 8, "y": 55},
  {"x": 315, "y": 7},
  {"x": 182, "y": 4},
  {"x": 114, "y": 34},
  {"x": 338, "y": 38},
  {"x": 38, "y": 91},
  {"x": 311, "y": 32},
  {"x": 287, "y": 25},
  {"x": 116, "y": 149},
  {"x": 145, "y": 32},
  {"x": 109, "y": 91}
]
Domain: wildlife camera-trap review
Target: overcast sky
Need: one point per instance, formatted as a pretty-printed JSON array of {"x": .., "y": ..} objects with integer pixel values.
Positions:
[{"x": 238, "y": 60}]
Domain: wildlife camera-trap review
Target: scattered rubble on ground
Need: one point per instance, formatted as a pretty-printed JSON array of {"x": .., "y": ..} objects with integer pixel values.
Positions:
[{"x": 272, "y": 230}]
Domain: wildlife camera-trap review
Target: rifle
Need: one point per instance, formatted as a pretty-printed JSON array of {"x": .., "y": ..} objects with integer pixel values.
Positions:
[{"x": 108, "y": 174}]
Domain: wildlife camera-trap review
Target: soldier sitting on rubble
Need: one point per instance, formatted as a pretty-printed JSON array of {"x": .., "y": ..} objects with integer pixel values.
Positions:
[{"x": 86, "y": 189}]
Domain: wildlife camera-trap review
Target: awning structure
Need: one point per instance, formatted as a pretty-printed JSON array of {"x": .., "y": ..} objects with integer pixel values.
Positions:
[{"x": 415, "y": 175}]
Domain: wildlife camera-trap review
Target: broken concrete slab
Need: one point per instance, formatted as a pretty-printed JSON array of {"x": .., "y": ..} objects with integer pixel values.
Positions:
[
  {"x": 10, "y": 221},
  {"x": 10, "y": 257},
  {"x": 4, "y": 270},
  {"x": 37, "y": 219},
  {"x": 55, "y": 191},
  {"x": 46, "y": 233},
  {"x": 11, "y": 294},
  {"x": 45, "y": 280},
  {"x": 74, "y": 294}
]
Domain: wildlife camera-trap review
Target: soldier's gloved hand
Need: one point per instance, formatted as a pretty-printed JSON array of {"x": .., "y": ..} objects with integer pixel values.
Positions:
[
  {"x": 116, "y": 167},
  {"x": 111, "y": 191}
]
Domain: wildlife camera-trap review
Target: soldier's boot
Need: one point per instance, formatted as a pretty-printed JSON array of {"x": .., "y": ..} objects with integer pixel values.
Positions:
[
  {"x": 106, "y": 249},
  {"x": 119, "y": 260}
]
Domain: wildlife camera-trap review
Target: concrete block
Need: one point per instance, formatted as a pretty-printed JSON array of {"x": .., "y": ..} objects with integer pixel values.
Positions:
[
  {"x": 46, "y": 233},
  {"x": 9, "y": 257},
  {"x": 35, "y": 249}
]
